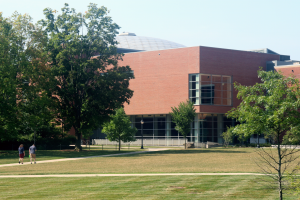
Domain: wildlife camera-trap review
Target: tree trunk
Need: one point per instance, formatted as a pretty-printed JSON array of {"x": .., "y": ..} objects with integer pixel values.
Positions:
[
  {"x": 78, "y": 142},
  {"x": 119, "y": 144},
  {"x": 77, "y": 121},
  {"x": 279, "y": 167},
  {"x": 185, "y": 142}
]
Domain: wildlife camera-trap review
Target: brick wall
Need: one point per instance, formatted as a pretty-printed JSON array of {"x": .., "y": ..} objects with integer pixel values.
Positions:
[
  {"x": 161, "y": 77},
  {"x": 290, "y": 70},
  {"x": 241, "y": 65}
]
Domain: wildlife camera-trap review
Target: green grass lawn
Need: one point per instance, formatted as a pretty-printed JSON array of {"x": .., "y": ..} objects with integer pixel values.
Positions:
[
  {"x": 8, "y": 157},
  {"x": 171, "y": 161},
  {"x": 147, "y": 187},
  {"x": 154, "y": 187}
]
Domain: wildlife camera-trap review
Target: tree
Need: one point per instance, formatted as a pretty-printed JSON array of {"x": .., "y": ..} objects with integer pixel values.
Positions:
[
  {"x": 270, "y": 107},
  {"x": 119, "y": 128},
  {"x": 22, "y": 72},
  {"x": 183, "y": 116},
  {"x": 8, "y": 80},
  {"x": 89, "y": 84},
  {"x": 35, "y": 103}
]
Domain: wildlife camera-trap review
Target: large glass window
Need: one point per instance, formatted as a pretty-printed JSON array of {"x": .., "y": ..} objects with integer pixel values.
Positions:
[
  {"x": 206, "y": 127},
  {"x": 208, "y": 89},
  {"x": 158, "y": 126}
]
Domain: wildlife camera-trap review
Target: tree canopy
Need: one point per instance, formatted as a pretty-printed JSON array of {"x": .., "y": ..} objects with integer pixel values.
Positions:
[
  {"x": 22, "y": 78},
  {"x": 8, "y": 81},
  {"x": 270, "y": 107}
]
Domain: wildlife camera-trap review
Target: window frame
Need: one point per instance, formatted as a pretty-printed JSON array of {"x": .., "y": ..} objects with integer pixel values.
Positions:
[{"x": 197, "y": 100}]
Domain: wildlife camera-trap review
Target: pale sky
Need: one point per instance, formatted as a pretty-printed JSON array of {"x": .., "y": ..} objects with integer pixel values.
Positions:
[{"x": 230, "y": 24}]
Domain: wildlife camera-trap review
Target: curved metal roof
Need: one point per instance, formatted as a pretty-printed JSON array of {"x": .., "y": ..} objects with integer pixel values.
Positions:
[{"x": 129, "y": 42}]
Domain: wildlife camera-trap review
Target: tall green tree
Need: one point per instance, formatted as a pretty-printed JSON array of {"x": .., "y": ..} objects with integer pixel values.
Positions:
[
  {"x": 270, "y": 107},
  {"x": 36, "y": 105},
  {"x": 119, "y": 128},
  {"x": 23, "y": 71},
  {"x": 89, "y": 84},
  {"x": 183, "y": 116},
  {"x": 8, "y": 80}
]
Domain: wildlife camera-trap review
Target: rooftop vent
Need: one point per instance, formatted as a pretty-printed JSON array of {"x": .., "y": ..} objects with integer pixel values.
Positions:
[
  {"x": 127, "y": 34},
  {"x": 264, "y": 50}
]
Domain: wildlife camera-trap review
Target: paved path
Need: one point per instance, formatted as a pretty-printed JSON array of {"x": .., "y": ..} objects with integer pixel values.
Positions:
[
  {"x": 121, "y": 175},
  {"x": 79, "y": 158}
]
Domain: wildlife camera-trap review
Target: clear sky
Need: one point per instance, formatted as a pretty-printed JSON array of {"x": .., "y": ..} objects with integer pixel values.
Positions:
[{"x": 231, "y": 24}]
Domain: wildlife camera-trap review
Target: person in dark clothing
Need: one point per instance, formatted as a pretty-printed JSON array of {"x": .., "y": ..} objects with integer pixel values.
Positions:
[{"x": 21, "y": 153}]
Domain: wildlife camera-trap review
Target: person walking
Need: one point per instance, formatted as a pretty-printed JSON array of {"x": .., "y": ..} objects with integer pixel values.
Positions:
[
  {"x": 21, "y": 153},
  {"x": 32, "y": 151}
]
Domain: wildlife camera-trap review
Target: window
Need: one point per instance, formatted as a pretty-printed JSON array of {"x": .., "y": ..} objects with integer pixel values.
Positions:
[
  {"x": 208, "y": 89},
  {"x": 207, "y": 94},
  {"x": 194, "y": 88}
]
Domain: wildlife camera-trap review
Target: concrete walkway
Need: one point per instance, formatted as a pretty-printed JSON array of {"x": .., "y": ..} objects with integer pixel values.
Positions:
[
  {"x": 79, "y": 158},
  {"x": 122, "y": 175}
]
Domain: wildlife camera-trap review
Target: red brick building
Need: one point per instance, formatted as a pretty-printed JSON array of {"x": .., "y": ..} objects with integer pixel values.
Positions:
[
  {"x": 164, "y": 77},
  {"x": 290, "y": 69}
]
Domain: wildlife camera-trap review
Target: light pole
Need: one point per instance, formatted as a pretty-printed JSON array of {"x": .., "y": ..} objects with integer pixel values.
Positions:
[{"x": 142, "y": 122}]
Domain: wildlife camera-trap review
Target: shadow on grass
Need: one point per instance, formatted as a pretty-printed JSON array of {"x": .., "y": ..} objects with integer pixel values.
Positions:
[
  {"x": 57, "y": 154},
  {"x": 183, "y": 151}
]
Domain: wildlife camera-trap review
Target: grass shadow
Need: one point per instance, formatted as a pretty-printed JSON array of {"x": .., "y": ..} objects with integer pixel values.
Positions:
[
  {"x": 10, "y": 156},
  {"x": 183, "y": 151}
]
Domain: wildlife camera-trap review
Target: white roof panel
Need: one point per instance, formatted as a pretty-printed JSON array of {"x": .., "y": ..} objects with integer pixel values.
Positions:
[{"x": 142, "y": 43}]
